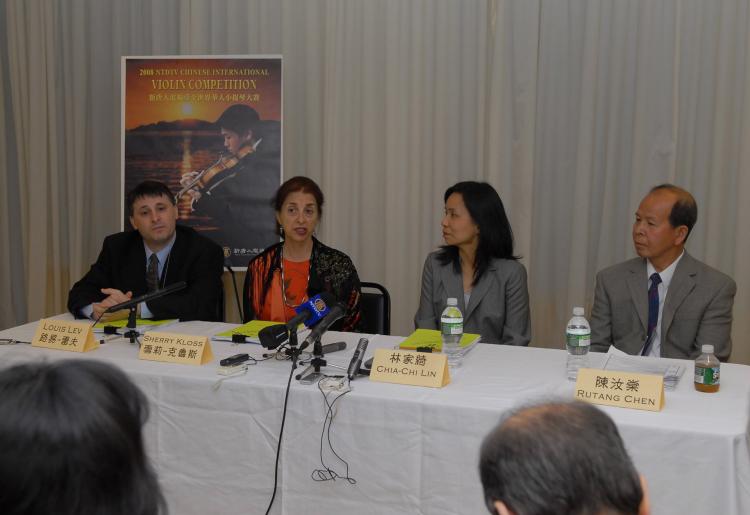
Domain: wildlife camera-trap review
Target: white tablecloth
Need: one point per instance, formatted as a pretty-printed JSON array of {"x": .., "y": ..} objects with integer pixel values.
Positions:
[{"x": 411, "y": 450}]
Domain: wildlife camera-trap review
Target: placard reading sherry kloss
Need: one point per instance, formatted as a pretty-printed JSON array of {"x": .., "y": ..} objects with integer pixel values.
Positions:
[{"x": 175, "y": 348}]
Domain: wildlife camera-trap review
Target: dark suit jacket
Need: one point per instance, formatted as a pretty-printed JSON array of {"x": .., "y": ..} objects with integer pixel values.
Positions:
[
  {"x": 122, "y": 265},
  {"x": 697, "y": 309},
  {"x": 239, "y": 200},
  {"x": 498, "y": 308}
]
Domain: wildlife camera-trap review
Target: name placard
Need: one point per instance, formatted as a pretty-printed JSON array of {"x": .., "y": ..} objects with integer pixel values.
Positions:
[
  {"x": 175, "y": 348},
  {"x": 621, "y": 389},
  {"x": 409, "y": 367},
  {"x": 64, "y": 335}
]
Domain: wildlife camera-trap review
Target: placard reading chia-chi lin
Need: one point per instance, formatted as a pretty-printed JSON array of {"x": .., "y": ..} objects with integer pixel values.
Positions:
[{"x": 210, "y": 128}]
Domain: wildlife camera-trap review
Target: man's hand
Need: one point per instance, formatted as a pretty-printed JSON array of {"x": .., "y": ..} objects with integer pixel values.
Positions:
[{"x": 114, "y": 297}]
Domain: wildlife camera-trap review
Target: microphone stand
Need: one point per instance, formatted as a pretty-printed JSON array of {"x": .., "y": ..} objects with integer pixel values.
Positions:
[
  {"x": 294, "y": 350},
  {"x": 132, "y": 305},
  {"x": 316, "y": 362},
  {"x": 132, "y": 333}
]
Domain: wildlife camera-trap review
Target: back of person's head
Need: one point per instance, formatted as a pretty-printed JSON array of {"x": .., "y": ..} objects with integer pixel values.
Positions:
[
  {"x": 70, "y": 442},
  {"x": 238, "y": 118},
  {"x": 148, "y": 189},
  {"x": 563, "y": 458}
]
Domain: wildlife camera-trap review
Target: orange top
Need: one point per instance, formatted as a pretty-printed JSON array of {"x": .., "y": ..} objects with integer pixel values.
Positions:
[{"x": 296, "y": 274}]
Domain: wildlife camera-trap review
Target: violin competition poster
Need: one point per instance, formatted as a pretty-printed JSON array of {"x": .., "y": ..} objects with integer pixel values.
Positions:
[{"x": 210, "y": 128}]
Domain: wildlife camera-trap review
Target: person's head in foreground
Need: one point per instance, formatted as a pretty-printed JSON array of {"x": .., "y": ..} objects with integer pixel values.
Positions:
[
  {"x": 70, "y": 442},
  {"x": 560, "y": 458}
]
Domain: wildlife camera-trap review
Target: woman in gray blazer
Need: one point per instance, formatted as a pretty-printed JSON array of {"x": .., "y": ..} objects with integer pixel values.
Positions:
[{"x": 477, "y": 266}]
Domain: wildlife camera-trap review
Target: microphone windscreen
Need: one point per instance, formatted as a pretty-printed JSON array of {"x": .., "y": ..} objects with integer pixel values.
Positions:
[
  {"x": 272, "y": 336},
  {"x": 318, "y": 307}
]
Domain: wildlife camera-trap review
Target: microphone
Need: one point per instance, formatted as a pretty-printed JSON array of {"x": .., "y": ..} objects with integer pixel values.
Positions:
[
  {"x": 356, "y": 361},
  {"x": 274, "y": 335},
  {"x": 333, "y": 347},
  {"x": 312, "y": 310},
  {"x": 336, "y": 312},
  {"x": 148, "y": 296}
]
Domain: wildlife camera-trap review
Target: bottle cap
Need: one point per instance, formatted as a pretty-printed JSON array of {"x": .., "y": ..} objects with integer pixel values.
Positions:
[
  {"x": 452, "y": 301},
  {"x": 578, "y": 311},
  {"x": 707, "y": 349}
]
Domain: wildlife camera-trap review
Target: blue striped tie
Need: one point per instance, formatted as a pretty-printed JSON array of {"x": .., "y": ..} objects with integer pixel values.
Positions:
[{"x": 653, "y": 311}]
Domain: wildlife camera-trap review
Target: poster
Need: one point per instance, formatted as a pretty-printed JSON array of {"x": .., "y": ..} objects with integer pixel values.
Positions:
[{"x": 210, "y": 128}]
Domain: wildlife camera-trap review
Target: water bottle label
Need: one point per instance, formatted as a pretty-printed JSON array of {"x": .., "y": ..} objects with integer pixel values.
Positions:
[
  {"x": 452, "y": 325},
  {"x": 578, "y": 340},
  {"x": 707, "y": 375}
]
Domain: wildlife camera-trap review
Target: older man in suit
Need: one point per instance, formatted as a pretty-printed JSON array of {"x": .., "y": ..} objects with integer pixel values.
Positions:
[{"x": 664, "y": 302}]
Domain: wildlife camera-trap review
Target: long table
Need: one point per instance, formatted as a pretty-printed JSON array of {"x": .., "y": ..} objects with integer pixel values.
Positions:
[{"x": 410, "y": 449}]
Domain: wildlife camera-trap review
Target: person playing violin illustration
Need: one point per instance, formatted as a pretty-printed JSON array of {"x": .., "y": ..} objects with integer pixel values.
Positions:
[{"x": 236, "y": 191}]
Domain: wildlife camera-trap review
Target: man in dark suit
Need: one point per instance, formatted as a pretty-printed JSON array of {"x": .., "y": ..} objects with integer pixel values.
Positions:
[
  {"x": 154, "y": 255},
  {"x": 665, "y": 302}
]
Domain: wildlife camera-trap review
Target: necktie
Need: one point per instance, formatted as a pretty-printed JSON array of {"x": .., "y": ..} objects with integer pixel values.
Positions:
[
  {"x": 653, "y": 311},
  {"x": 152, "y": 273}
]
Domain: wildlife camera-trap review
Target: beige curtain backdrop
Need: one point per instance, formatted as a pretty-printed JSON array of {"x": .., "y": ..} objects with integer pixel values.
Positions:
[{"x": 572, "y": 109}]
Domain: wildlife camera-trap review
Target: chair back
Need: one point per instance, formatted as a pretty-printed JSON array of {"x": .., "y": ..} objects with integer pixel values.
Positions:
[{"x": 376, "y": 309}]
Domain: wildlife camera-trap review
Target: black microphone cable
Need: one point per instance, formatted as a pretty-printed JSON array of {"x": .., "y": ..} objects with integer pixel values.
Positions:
[
  {"x": 281, "y": 433},
  {"x": 327, "y": 473}
]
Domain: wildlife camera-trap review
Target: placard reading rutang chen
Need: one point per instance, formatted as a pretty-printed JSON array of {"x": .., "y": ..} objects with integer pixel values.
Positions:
[{"x": 621, "y": 389}]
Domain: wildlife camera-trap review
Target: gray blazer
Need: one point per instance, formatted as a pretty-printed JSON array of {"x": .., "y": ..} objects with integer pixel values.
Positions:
[
  {"x": 697, "y": 310},
  {"x": 498, "y": 308}
]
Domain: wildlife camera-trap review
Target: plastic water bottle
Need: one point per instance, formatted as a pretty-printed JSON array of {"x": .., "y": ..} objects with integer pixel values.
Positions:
[
  {"x": 451, "y": 330},
  {"x": 578, "y": 342},
  {"x": 707, "y": 370}
]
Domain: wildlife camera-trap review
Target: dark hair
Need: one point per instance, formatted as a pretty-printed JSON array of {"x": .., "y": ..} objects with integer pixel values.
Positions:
[
  {"x": 564, "y": 457},
  {"x": 488, "y": 213},
  {"x": 70, "y": 441},
  {"x": 298, "y": 183},
  {"x": 238, "y": 118},
  {"x": 148, "y": 189},
  {"x": 684, "y": 210}
]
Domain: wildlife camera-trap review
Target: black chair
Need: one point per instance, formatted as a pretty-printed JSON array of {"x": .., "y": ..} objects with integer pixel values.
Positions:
[
  {"x": 376, "y": 309},
  {"x": 220, "y": 314}
]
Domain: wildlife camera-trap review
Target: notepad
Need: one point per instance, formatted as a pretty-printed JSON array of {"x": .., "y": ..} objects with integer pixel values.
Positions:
[
  {"x": 618, "y": 360},
  {"x": 140, "y": 323},
  {"x": 431, "y": 338}
]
